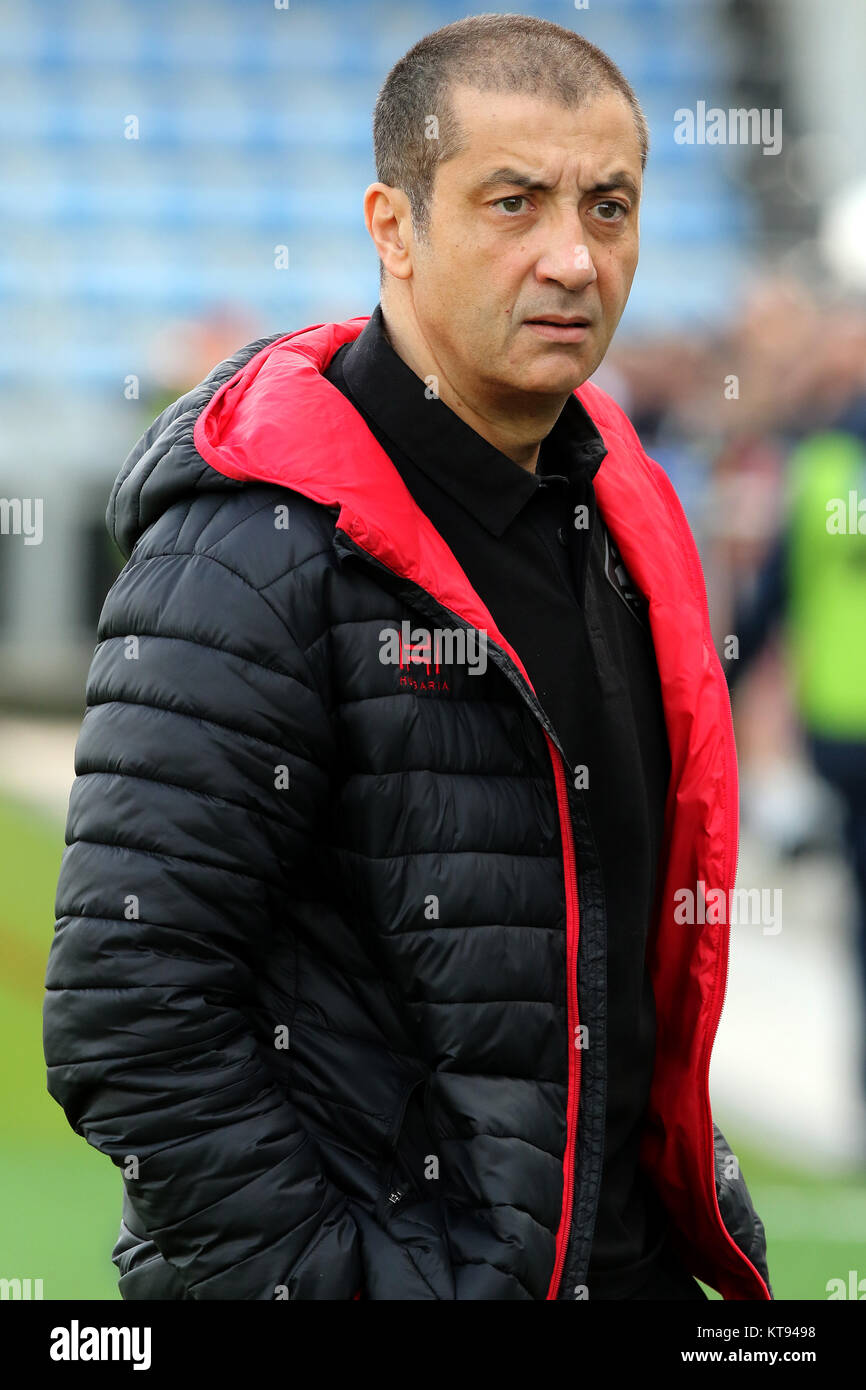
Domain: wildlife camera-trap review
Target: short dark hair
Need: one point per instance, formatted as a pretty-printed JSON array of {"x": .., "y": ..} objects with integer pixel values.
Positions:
[{"x": 490, "y": 52}]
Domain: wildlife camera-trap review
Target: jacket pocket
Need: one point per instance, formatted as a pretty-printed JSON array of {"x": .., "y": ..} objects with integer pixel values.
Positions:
[{"x": 405, "y": 1179}]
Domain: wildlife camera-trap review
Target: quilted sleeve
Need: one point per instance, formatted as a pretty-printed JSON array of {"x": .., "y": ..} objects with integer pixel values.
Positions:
[{"x": 202, "y": 766}]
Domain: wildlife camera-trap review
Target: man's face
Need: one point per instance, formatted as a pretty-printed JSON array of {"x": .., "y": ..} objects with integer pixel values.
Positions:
[{"x": 500, "y": 253}]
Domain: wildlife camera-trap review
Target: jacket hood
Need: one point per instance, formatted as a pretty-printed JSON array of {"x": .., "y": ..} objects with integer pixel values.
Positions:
[
  {"x": 252, "y": 418},
  {"x": 163, "y": 467},
  {"x": 267, "y": 414}
]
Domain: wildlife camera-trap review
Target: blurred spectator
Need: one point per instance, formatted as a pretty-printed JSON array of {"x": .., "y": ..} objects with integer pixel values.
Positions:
[{"x": 813, "y": 582}]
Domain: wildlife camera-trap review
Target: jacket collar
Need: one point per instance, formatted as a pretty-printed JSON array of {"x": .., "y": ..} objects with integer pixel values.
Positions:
[{"x": 278, "y": 419}]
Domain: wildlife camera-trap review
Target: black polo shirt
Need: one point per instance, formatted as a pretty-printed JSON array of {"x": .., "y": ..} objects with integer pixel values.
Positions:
[{"x": 559, "y": 593}]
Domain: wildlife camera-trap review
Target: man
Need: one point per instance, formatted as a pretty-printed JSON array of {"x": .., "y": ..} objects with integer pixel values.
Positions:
[{"x": 366, "y": 912}]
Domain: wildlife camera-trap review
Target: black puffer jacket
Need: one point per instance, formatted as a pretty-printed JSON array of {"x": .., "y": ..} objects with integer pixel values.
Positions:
[{"x": 317, "y": 966}]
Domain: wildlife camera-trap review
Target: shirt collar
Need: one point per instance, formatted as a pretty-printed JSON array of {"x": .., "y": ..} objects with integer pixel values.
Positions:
[{"x": 486, "y": 482}]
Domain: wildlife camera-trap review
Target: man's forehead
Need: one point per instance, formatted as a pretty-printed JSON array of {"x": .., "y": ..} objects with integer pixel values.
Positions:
[{"x": 505, "y": 129}]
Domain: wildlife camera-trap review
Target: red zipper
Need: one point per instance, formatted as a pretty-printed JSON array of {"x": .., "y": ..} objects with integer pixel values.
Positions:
[{"x": 572, "y": 931}]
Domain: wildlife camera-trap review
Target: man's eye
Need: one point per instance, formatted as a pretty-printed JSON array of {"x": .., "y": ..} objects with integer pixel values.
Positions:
[
  {"x": 617, "y": 207},
  {"x": 513, "y": 198}
]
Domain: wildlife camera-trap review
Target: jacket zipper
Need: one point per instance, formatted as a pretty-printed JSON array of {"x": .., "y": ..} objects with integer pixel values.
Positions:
[
  {"x": 344, "y": 544},
  {"x": 572, "y": 915}
]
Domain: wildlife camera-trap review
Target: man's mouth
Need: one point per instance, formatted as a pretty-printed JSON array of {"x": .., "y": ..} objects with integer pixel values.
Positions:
[
  {"x": 559, "y": 321},
  {"x": 560, "y": 329}
]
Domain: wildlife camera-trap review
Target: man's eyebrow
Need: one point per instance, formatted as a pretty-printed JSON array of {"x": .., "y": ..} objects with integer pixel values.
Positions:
[
  {"x": 620, "y": 179},
  {"x": 507, "y": 175},
  {"x": 532, "y": 183}
]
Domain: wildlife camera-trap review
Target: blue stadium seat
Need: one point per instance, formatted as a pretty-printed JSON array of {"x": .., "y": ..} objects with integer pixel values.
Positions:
[{"x": 255, "y": 131}]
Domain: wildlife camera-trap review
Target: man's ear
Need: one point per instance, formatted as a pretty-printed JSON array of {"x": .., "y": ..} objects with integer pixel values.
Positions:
[{"x": 387, "y": 216}]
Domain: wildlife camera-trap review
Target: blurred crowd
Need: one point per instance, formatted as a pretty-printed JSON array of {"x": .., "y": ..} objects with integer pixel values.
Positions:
[
  {"x": 762, "y": 427},
  {"x": 722, "y": 410}
]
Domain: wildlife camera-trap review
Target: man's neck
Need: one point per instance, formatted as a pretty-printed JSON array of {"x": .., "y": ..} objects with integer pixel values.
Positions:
[{"x": 519, "y": 438}]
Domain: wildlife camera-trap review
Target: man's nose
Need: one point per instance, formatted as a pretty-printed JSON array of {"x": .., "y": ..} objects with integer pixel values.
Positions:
[{"x": 567, "y": 259}]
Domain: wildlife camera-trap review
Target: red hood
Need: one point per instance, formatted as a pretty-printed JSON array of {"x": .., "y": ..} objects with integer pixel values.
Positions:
[{"x": 279, "y": 420}]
